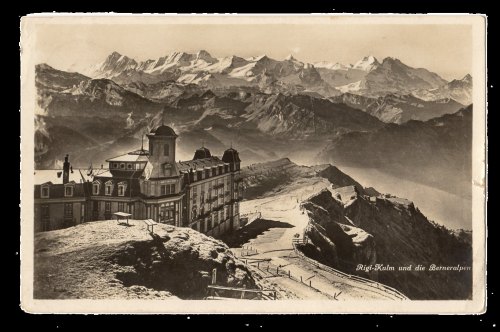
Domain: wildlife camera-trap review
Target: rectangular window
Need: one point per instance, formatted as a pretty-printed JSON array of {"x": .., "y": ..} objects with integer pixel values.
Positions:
[
  {"x": 167, "y": 189},
  {"x": 121, "y": 207},
  {"x": 121, "y": 190},
  {"x": 68, "y": 191},
  {"x": 109, "y": 189},
  {"x": 107, "y": 207},
  {"x": 45, "y": 192},
  {"x": 68, "y": 210},
  {"x": 45, "y": 211}
]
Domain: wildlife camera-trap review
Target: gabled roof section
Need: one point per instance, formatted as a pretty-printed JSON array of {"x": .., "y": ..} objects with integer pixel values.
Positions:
[
  {"x": 129, "y": 157},
  {"x": 199, "y": 164}
]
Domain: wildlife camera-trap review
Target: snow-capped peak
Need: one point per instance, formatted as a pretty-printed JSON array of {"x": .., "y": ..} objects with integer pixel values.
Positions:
[
  {"x": 331, "y": 65},
  {"x": 204, "y": 55},
  {"x": 368, "y": 63},
  {"x": 257, "y": 58}
]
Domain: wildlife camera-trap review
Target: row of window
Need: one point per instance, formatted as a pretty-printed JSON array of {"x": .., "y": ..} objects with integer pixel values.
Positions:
[
  {"x": 210, "y": 172},
  {"x": 128, "y": 166},
  {"x": 108, "y": 188},
  {"x": 211, "y": 223},
  {"x": 107, "y": 207},
  {"x": 68, "y": 191},
  {"x": 167, "y": 189}
]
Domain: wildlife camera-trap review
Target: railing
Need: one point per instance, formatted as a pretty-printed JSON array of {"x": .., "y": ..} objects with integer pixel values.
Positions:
[
  {"x": 367, "y": 282},
  {"x": 262, "y": 294}
]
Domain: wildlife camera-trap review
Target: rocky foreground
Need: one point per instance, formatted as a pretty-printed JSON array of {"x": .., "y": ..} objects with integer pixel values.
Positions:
[
  {"x": 106, "y": 260},
  {"x": 388, "y": 239}
]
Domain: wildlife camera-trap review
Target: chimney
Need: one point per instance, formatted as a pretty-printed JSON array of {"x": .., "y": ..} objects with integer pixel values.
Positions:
[{"x": 66, "y": 166}]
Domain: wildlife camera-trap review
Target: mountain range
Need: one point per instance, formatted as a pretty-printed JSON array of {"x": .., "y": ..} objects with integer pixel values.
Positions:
[
  {"x": 266, "y": 108},
  {"x": 368, "y": 76}
]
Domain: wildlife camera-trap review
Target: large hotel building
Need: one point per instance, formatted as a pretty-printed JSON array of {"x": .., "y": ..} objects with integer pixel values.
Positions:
[{"x": 202, "y": 193}]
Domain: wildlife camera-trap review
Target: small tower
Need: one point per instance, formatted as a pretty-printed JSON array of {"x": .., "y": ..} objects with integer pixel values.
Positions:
[
  {"x": 202, "y": 153},
  {"x": 66, "y": 167},
  {"x": 232, "y": 157},
  {"x": 162, "y": 151}
]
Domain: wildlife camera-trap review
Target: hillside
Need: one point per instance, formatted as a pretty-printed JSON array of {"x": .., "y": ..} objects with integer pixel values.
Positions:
[
  {"x": 347, "y": 229},
  {"x": 106, "y": 260},
  {"x": 393, "y": 108},
  {"x": 48, "y": 79}
]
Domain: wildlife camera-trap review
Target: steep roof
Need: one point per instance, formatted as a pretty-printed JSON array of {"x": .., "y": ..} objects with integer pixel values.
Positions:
[
  {"x": 231, "y": 156},
  {"x": 164, "y": 131},
  {"x": 202, "y": 153},
  {"x": 199, "y": 164}
]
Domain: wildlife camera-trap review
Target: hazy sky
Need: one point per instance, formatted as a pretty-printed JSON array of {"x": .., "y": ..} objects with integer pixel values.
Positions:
[{"x": 444, "y": 49}]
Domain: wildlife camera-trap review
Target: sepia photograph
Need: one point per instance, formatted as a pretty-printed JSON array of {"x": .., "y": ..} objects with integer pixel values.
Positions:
[{"x": 258, "y": 164}]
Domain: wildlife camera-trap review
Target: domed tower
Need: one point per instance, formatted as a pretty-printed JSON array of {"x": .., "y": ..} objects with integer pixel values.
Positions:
[
  {"x": 202, "y": 153},
  {"x": 232, "y": 157},
  {"x": 162, "y": 151}
]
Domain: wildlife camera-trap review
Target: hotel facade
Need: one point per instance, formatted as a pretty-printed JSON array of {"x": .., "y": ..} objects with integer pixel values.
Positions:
[{"x": 203, "y": 193}]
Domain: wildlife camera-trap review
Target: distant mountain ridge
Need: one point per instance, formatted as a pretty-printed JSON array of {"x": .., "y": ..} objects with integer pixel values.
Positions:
[
  {"x": 368, "y": 76},
  {"x": 393, "y": 108},
  {"x": 437, "y": 152}
]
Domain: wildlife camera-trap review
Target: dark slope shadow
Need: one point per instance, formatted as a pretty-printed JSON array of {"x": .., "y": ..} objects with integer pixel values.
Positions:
[{"x": 251, "y": 231}]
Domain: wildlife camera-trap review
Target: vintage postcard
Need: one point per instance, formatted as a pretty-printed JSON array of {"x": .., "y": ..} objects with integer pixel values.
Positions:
[{"x": 253, "y": 164}]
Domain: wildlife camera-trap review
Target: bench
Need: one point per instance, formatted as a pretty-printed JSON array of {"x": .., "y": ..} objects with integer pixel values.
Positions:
[
  {"x": 150, "y": 224},
  {"x": 122, "y": 215}
]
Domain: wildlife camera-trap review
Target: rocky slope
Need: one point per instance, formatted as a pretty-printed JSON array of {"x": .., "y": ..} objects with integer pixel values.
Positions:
[
  {"x": 268, "y": 178},
  {"x": 348, "y": 228},
  {"x": 459, "y": 90},
  {"x": 48, "y": 79},
  {"x": 393, "y": 108},
  {"x": 106, "y": 260}
]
